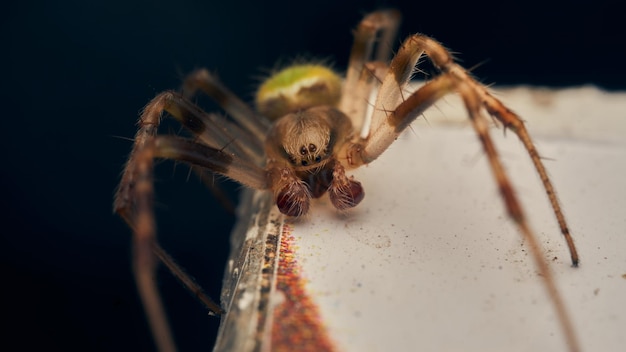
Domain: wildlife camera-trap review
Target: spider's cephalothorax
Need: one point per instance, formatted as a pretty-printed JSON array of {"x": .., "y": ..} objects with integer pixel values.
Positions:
[
  {"x": 302, "y": 145},
  {"x": 303, "y": 137}
]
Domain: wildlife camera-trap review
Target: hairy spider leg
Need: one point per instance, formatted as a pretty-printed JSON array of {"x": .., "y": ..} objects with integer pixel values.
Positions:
[
  {"x": 359, "y": 83},
  {"x": 444, "y": 61},
  {"x": 255, "y": 124},
  {"x": 510, "y": 120},
  {"x": 134, "y": 197},
  {"x": 388, "y": 124},
  {"x": 250, "y": 127}
]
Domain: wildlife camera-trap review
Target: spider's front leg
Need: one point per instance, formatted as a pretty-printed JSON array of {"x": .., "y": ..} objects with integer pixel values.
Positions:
[
  {"x": 134, "y": 196},
  {"x": 388, "y": 124}
]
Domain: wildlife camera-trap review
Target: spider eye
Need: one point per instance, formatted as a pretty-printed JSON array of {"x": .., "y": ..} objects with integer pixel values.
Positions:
[
  {"x": 318, "y": 159},
  {"x": 303, "y": 150},
  {"x": 312, "y": 148},
  {"x": 304, "y": 163}
]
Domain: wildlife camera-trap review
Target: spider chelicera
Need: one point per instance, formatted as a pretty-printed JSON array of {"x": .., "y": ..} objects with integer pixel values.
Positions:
[{"x": 305, "y": 134}]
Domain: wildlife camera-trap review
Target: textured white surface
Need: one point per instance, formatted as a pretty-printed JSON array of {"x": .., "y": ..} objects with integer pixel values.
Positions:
[{"x": 429, "y": 260}]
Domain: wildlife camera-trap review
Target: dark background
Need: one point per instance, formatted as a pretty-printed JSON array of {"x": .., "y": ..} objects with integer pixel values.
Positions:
[{"x": 76, "y": 73}]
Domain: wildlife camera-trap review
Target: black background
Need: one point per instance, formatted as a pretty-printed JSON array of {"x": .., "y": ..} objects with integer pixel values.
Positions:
[{"x": 76, "y": 73}]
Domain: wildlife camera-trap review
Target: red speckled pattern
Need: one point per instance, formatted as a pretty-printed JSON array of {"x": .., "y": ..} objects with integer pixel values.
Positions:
[{"x": 297, "y": 321}]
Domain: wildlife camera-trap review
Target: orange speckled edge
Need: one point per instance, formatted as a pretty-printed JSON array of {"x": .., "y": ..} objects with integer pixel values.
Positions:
[{"x": 297, "y": 324}]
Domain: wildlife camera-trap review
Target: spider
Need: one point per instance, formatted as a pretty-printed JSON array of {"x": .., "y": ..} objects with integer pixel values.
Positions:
[{"x": 309, "y": 128}]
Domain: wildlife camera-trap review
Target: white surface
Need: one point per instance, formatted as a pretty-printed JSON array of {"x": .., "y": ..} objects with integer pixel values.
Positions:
[{"x": 429, "y": 260}]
